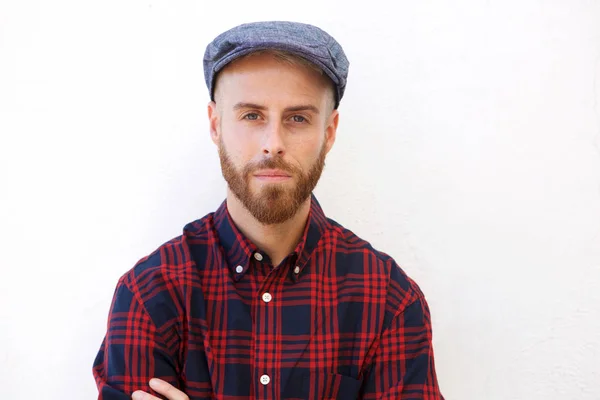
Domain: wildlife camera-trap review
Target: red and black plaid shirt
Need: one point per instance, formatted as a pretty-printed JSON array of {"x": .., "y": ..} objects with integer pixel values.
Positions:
[{"x": 208, "y": 313}]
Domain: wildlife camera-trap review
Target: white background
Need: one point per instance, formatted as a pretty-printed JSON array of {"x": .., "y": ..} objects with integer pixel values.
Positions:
[{"x": 468, "y": 149}]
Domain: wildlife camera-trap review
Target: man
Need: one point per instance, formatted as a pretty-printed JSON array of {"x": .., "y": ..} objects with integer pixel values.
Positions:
[{"x": 266, "y": 298}]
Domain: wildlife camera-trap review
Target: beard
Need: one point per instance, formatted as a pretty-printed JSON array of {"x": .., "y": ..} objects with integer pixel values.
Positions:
[{"x": 275, "y": 202}]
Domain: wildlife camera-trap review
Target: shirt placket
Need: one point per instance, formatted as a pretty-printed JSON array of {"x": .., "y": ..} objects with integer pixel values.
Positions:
[{"x": 266, "y": 333}]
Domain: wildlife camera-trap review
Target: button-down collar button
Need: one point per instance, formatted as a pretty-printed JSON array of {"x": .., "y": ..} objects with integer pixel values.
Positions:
[
  {"x": 239, "y": 269},
  {"x": 267, "y": 297},
  {"x": 258, "y": 257},
  {"x": 265, "y": 379},
  {"x": 297, "y": 270}
]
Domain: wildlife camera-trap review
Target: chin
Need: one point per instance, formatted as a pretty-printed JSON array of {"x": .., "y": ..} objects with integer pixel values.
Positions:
[{"x": 274, "y": 193}]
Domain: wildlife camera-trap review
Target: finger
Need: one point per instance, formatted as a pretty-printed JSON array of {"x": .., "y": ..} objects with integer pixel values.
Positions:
[
  {"x": 167, "y": 389},
  {"x": 141, "y": 395}
]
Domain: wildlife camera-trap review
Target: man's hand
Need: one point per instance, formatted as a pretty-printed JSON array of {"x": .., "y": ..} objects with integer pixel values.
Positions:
[{"x": 161, "y": 387}]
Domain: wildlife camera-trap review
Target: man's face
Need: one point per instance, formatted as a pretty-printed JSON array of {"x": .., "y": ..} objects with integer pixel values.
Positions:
[{"x": 274, "y": 124}]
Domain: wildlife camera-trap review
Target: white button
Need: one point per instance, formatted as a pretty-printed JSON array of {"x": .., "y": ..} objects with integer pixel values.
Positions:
[
  {"x": 258, "y": 256},
  {"x": 267, "y": 297},
  {"x": 265, "y": 379},
  {"x": 239, "y": 269},
  {"x": 297, "y": 270}
]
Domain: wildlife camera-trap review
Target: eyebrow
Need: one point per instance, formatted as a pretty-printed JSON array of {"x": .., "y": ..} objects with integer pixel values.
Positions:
[{"x": 303, "y": 107}]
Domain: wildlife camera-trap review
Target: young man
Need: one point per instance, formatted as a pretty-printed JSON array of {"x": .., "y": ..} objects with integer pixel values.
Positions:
[{"x": 266, "y": 298}]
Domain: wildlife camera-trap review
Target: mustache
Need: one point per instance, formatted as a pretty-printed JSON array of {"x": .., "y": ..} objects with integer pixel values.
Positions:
[{"x": 271, "y": 163}]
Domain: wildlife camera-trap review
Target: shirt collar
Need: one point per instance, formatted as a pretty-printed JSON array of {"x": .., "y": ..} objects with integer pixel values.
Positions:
[{"x": 238, "y": 249}]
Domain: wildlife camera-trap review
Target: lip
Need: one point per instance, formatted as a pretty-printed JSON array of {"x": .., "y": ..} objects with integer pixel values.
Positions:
[{"x": 272, "y": 175}]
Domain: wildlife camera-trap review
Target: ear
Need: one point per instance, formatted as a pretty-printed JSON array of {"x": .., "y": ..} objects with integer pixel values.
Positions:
[
  {"x": 214, "y": 122},
  {"x": 331, "y": 129}
]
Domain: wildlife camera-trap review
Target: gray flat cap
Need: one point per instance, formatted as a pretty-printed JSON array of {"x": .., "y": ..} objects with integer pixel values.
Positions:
[{"x": 306, "y": 41}]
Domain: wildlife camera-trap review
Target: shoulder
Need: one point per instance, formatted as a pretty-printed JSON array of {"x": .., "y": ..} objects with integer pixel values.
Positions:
[
  {"x": 159, "y": 278},
  {"x": 376, "y": 267}
]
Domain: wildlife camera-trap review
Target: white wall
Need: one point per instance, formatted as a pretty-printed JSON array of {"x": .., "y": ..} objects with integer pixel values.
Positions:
[{"x": 468, "y": 148}]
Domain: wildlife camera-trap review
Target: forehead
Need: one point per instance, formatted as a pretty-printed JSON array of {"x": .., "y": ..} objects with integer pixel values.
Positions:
[{"x": 264, "y": 77}]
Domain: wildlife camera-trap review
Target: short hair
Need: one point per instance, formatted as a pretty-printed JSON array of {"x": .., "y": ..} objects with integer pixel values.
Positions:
[{"x": 291, "y": 59}]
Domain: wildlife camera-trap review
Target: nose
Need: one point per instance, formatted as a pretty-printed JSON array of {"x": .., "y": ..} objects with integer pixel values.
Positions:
[{"x": 273, "y": 141}]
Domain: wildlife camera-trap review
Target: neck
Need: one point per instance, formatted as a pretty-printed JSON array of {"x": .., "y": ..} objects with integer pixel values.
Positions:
[{"x": 277, "y": 240}]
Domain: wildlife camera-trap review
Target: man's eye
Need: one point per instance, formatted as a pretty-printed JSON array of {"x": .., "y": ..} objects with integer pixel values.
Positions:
[
  {"x": 299, "y": 118},
  {"x": 251, "y": 116}
]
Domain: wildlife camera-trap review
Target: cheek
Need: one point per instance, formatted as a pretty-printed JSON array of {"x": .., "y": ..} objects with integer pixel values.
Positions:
[
  {"x": 238, "y": 151},
  {"x": 233, "y": 140},
  {"x": 309, "y": 153},
  {"x": 235, "y": 133}
]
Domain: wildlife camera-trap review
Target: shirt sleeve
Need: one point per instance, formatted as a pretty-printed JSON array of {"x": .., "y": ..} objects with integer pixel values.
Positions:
[
  {"x": 403, "y": 364},
  {"x": 133, "y": 350}
]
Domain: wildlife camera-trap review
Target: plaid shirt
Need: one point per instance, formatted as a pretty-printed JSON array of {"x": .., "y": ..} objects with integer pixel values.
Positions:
[{"x": 208, "y": 313}]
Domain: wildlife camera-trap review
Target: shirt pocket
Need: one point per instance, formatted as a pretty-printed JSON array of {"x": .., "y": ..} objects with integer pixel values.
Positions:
[{"x": 321, "y": 386}]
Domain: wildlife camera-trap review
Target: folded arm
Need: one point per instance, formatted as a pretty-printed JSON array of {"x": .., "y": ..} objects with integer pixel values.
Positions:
[{"x": 133, "y": 350}]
